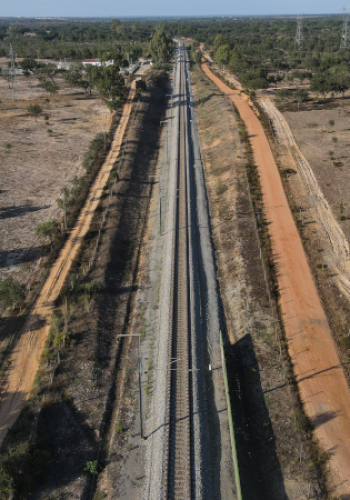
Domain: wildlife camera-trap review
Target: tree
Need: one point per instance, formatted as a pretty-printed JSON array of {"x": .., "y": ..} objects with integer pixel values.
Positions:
[
  {"x": 301, "y": 95},
  {"x": 50, "y": 87},
  {"x": 341, "y": 80},
  {"x": 161, "y": 46},
  {"x": 96, "y": 147},
  {"x": 50, "y": 70},
  {"x": 75, "y": 76},
  {"x": 109, "y": 81},
  {"x": 28, "y": 65},
  {"x": 141, "y": 85},
  {"x": 321, "y": 83},
  {"x": 222, "y": 55},
  {"x": 47, "y": 229},
  {"x": 34, "y": 110},
  {"x": 11, "y": 291},
  {"x": 115, "y": 23},
  {"x": 282, "y": 94}
]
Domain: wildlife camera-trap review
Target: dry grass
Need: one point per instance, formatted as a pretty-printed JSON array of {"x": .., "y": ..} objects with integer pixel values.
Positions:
[
  {"x": 328, "y": 159},
  {"x": 36, "y": 164}
]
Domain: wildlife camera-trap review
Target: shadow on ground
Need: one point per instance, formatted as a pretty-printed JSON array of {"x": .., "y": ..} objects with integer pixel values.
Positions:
[{"x": 260, "y": 471}]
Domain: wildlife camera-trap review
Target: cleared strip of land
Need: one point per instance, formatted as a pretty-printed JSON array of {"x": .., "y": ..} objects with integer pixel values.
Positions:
[
  {"x": 323, "y": 387},
  {"x": 24, "y": 361}
]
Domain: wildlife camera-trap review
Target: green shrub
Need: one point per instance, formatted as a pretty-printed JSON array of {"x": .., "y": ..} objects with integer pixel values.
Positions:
[
  {"x": 282, "y": 94},
  {"x": 99, "y": 495},
  {"x": 115, "y": 104},
  {"x": 34, "y": 109},
  {"x": 92, "y": 467},
  {"x": 47, "y": 229},
  {"x": 11, "y": 291},
  {"x": 243, "y": 134},
  {"x": 96, "y": 147},
  {"x": 222, "y": 189},
  {"x": 141, "y": 85},
  {"x": 119, "y": 429},
  {"x": 50, "y": 87}
]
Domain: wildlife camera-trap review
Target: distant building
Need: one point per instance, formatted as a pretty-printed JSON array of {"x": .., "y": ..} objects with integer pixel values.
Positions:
[
  {"x": 63, "y": 65},
  {"x": 97, "y": 62}
]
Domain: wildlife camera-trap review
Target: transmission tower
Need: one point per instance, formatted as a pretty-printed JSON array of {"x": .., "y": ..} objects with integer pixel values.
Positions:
[
  {"x": 299, "y": 35},
  {"x": 13, "y": 70},
  {"x": 344, "y": 44}
]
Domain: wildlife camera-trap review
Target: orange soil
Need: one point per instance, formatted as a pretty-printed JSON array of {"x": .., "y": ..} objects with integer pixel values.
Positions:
[
  {"x": 323, "y": 387},
  {"x": 24, "y": 361}
]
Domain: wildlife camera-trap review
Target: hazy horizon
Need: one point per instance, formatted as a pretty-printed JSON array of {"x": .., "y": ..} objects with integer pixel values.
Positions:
[{"x": 159, "y": 9}]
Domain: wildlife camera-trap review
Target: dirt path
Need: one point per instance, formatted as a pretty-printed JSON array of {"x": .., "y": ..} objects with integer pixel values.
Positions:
[
  {"x": 323, "y": 387},
  {"x": 24, "y": 360}
]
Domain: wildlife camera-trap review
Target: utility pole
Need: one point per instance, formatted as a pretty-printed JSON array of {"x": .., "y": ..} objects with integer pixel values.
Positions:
[
  {"x": 13, "y": 70},
  {"x": 64, "y": 210},
  {"x": 299, "y": 35},
  {"x": 140, "y": 370},
  {"x": 345, "y": 31},
  {"x": 167, "y": 139}
]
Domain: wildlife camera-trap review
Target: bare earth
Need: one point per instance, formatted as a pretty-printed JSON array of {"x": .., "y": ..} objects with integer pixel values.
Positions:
[
  {"x": 314, "y": 136},
  {"x": 323, "y": 387},
  {"x": 37, "y": 165},
  {"x": 24, "y": 360}
]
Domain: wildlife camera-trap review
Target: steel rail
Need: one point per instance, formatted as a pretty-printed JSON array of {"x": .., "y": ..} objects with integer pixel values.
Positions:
[{"x": 178, "y": 477}]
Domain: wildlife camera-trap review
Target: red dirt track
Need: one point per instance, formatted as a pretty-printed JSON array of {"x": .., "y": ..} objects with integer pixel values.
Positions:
[{"x": 322, "y": 384}]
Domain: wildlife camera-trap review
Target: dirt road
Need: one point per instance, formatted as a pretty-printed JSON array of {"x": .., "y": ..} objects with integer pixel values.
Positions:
[
  {"x": 323, "y": 388},
  {"x": 24, "y": 360}
]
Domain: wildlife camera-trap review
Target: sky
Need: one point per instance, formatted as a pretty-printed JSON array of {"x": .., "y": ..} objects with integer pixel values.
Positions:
[{"x": 140, "y": 8}]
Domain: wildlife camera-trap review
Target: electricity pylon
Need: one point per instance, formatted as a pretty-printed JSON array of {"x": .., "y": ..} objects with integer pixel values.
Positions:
[
  {"x": 13, "y": 70},
  {"x": 299, "y": 34},
  {"x": 344, "y": 43}
]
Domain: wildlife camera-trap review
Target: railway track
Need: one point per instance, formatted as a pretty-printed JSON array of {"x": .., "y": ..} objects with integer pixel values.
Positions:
[{"x": 178, "y": 466}]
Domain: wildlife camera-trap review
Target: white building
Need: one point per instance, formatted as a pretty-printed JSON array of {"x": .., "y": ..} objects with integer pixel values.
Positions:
[{"x": 97, "y": 62}]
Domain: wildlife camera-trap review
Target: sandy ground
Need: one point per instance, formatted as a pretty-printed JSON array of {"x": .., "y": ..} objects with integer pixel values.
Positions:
[
  {"x": 18, "y": 380},
  {"x": 38, "y": 164},
  {"x": 315, "y": 137},
  {"x": 322, "y": 384}
]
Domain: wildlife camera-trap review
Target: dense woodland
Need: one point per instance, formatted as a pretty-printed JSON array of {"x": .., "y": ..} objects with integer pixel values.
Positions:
[{"x": 260, "y": 51}]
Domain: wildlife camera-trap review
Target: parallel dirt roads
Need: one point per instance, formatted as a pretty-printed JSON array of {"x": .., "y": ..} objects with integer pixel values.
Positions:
[
  {"x": 24, "y": 361},
  {"x": 323, "y": 387}
]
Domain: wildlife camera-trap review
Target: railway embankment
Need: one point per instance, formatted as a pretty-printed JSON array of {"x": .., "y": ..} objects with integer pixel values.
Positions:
[{"x": 303, "y": 317}]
